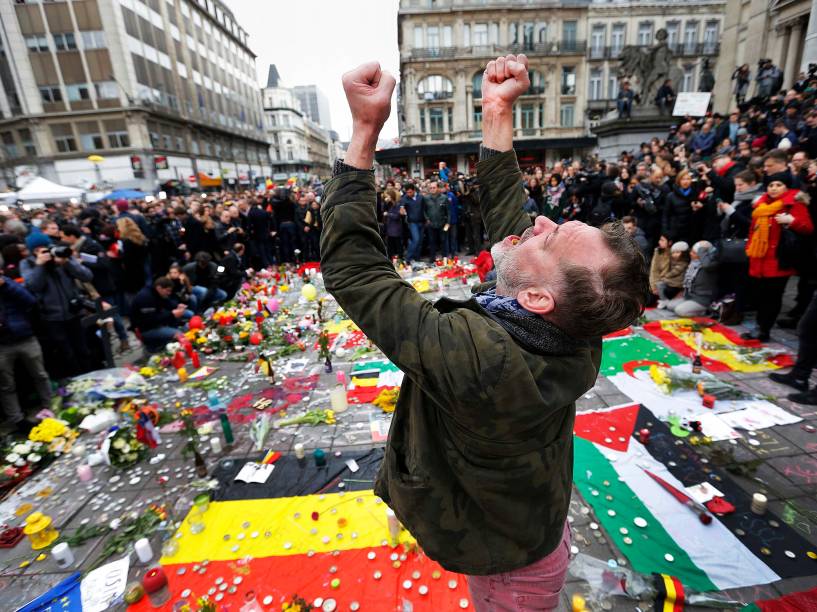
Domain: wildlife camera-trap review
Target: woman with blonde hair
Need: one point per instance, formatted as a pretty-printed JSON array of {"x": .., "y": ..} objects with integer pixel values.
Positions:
[{"x": 133, "y": 256}]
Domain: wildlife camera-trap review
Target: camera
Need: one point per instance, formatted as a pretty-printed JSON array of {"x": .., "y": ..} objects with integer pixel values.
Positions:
[{"x": 64, "y": 252}]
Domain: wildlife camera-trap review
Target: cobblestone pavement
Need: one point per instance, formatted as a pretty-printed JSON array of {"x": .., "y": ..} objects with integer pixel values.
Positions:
[{"x": 789, "y": 471}]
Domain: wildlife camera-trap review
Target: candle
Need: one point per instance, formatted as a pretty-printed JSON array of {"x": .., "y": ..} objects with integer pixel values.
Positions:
[
  {"x": 182, "y": 374},
  {"x": 759, "y": 503},
  {"x": 194, "y": 359},
  {"x": 394, "y": 527},
  {"x": 337, "y": 397},
  {"x": 143, "y": 550},
  {"x": 85, "y": 473},
  {"x": 320, "y": 457},
  {"x": 62, "y": 554},
  {"x": 155, "y": 583},
  {"x": 215, "y": 445},
  {"x": 299, "y": 451},
  {"x": 225, "y": 428}
]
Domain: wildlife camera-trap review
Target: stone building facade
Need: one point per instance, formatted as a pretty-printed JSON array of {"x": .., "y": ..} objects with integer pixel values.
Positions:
[{"x": 162, "y": 90}]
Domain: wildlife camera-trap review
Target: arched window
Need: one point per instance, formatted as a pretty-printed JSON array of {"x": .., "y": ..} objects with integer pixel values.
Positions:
[
  {"x": 476, "y": 85},
  {"x": 435, "y": 87},
  {"x": 537, "y": 83}
]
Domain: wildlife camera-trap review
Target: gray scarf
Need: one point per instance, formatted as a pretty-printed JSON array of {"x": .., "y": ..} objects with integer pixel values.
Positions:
[{"x": 528, "y": 329}]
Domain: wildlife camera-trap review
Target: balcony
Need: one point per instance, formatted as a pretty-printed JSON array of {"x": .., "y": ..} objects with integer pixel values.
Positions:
[
  {"x": 431, "y": 96},
  {"x": 556, "y": 47},
  {"x": 682, "y": 49},
  {"x": 601, "y": 53}
]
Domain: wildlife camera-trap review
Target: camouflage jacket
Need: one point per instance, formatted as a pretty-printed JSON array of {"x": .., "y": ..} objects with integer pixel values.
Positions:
[{"x": 479, "y": 460}]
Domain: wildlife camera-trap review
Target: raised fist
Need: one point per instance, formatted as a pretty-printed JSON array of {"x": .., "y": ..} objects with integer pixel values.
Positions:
[
  {"x": 368, "y": 90},
  {"x": 505, "y": 79}
]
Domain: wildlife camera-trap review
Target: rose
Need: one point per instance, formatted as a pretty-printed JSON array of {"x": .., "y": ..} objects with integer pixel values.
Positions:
[
  {"x": 34, "y": 458},
  {"x": 119, "y": 444},
  {"x": 12, "y": 457},
  {"x": 22, "y": 449}
]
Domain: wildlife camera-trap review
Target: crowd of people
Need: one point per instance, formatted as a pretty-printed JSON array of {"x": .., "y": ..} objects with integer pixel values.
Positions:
[{"x": 721, "y": 208}]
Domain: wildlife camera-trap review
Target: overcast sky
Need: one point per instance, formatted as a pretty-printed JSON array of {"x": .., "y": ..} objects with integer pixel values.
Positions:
[{"x": 316, "y": 41}]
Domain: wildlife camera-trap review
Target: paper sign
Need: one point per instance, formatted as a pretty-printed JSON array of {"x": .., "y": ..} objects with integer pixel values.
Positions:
[
  {"x": 703, "y": 492},
  {"x": 692, "y": 103},
  {"x": 101, "y": 587},
  {"x": 379, "y": 426},
  {"x": 255, "y": 473}
]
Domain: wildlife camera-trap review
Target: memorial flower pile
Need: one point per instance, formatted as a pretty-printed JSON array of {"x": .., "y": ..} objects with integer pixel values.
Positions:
[{"x": 124, "y": 449}]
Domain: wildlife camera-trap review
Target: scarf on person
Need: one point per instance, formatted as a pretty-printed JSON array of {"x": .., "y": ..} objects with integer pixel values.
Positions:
[
  {"x": 762, "y": 216},
  {"x": 529, "y": 329},
  {"x": 691, "y": 273}
]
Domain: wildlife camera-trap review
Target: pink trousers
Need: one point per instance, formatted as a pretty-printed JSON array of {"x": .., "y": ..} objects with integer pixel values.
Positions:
[{"x": 535, "y": 587}]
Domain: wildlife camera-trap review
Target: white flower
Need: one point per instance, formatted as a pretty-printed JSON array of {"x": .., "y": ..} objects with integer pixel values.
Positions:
[
  {"x": 22, "y": 448},
  {"x": 173, "y": 346},
  {"x": 12, "y": 457},
  {"x": 119, "y": 444},
  {"x": 33, "y": 458},
  {"x": 114, "y": 524},
  {"x": 20, "y": 462}
]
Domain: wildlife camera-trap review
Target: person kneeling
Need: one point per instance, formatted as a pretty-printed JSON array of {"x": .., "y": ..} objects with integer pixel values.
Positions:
[{"x": 155, "y": 316}]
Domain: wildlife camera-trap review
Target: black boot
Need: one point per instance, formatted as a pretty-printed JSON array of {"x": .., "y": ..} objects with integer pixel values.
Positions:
[
  {"x": 790, "y": 379},
  {"x": 807, "y": 397}
]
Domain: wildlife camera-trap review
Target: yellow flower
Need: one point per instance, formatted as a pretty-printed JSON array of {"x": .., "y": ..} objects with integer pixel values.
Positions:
[
  {"x": 190, "y": 335},
  {"x": 201, "y": 340},
  {"x": 47, "y": 430},
  {"x": 147, "y": 371}
]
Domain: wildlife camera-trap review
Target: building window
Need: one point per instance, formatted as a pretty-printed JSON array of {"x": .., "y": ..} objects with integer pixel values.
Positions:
[
  {"x": 645, "y": 33},
  {"x": 418, "y": 37},
  {"x": 569, "y": 29},
  {"x": 435, "y": 87},
  {"x": 493, "y": 33},
  {"x": 9, "y": 145},
  {"x": 618, "y": 36},
  {"x": 527, "y": 116},
  {"x": 688, "y": 83},
  {"x": 537, "y": 83},
  {"x": 476, "y": 85},
  {"x": 480, "y": 34},
  {"x": 596, "y": 77},
  {"x": 118, "y": 140},
  {"x": 711, "y": 37},
  {"x": 612, "y": 86},
  {"x": 690, "y": 37},
  {"x": 65, "y": 41},
  {"x": 527, "y": 36},
  {"x": 422, "y": 121},
  {"x": 566, "y": 115},
  {"x": 542, "y": 115},
  {"x": 568, "y": 81},
  {"x": 64, "y": 137},
  {"x": 28, "y": 142},
  {"x": 447, "y": 36},
  {"x": 673, "y": 34},
  {"x": 106, "y": 90},
  {"x": 598, "y": 37},
  {"x": 432, "y": 37},
  {"x": 93, "y": 39},
  {"x": 435, "y": 120},
  {"x": 542, "y": 36},
  {"x": 37, "y": 44},
  {"x": 89, "y": 136},
  {"x": 78, "y": 92},
  {"x": 478, "y": 117},
  {"x": 466, "y": 35},
  {"x": 51, "y": 93}
]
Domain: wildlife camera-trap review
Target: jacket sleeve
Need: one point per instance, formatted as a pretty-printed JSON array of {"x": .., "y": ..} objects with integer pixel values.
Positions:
[
  {"x": 502, "y": 196},
  {"x": 34, "y": 276},
  {"x": 436, "y": 350},
  {"x": 78, "y": 271},
  {"x": 17, "y": 294},
  {"x": 802, "y": 219}
]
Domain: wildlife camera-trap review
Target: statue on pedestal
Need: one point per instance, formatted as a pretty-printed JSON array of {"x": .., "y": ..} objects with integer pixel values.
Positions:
[{"x": 650, "y": 66}]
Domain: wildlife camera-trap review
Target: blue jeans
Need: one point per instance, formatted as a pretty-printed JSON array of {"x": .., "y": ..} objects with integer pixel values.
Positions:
[
  {"x": 415, "y": 241},
  {"x": 156, "y": 339},
  {"x": 207, "y": 297}
]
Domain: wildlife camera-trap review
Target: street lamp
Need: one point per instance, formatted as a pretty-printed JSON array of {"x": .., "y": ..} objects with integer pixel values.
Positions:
[{"x": 96, "y": 160}]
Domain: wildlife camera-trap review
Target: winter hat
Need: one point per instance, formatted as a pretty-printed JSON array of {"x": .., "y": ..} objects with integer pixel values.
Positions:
[
  {"x": 609, "y": 189},
  {"x": 37, "y": 239},
  {"x": 679, "y": 247},
  {"x": 121, "y": 205},
  {"x": 782, "y": 177}
]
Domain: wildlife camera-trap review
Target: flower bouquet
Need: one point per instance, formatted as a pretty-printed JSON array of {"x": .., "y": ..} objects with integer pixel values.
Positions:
[
  {"x": 124, "y": 450},
  {"x": 20, "y": 459},
  {"x": 670, "y": 380},
  {"x": 312, "y": 417}
]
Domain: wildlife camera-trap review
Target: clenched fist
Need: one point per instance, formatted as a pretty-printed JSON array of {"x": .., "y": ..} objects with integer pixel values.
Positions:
[
  {"x": 368, "y": 90},
  {"x": 505, "y": 79}
]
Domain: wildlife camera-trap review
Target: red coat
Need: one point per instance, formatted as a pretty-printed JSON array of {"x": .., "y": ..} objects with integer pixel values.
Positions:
[{"x": 767, "y": 266}]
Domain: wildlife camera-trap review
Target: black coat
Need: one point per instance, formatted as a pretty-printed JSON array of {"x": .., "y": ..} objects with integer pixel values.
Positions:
[
  {"x": 677, "y": 221},
  {"x": 724, "y": 186},
  {"x": 150, "y": 310}
]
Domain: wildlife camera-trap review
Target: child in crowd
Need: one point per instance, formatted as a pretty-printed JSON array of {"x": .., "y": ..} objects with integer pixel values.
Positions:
[{"x": 669, "y": 263}]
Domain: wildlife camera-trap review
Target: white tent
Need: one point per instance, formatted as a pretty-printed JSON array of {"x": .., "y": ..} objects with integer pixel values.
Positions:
[{"x": 43, "y": 190}]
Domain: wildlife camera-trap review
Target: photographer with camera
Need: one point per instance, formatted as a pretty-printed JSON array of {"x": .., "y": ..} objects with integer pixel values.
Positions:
[{"x": 51, "y": 273}]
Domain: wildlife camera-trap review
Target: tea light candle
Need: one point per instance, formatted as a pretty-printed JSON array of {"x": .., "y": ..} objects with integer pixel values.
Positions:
[
  {"x": 62, "y": 554},
  {"x": 85, "y": 473},
  {"x": 143, "y": 550},
  {"x": 299, "y": 451},
  {"x": 759, "y": 503}
]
